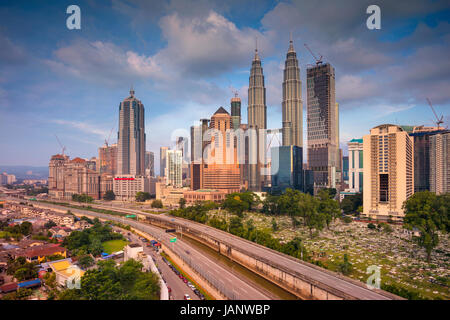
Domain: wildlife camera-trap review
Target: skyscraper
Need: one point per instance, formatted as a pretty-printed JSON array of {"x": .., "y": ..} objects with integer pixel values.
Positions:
[
  {"x": 162, "y": 161},
  {"x": 257, "y": 109},
  {"x": 292, "y": 105},
  {"x": 440, "y": 163},
  {"x": 287, "y": 171},
  {"x": 257, "y": 120},
  {"x": 388, "y": 153},
  {"x": 355, "y": 165},
  {"x": 236, "y": 111},
  {"x": 221, "y": 169},
  {"x": 174, "y": 168},
  {"x": 197, "y": 147},
  {"x": 149, "y": 164},
  {"x": 131, "y": 137},
  {"x": 323, "y": 126}
]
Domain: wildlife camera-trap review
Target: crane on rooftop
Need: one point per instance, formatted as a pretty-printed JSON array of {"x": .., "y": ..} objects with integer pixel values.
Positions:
[
  {"x": 60, "y": 144},
  {"x": 318, "y": 60},
  {"x": 109, "y": 136},
  {"x": 440, "y": 120}
]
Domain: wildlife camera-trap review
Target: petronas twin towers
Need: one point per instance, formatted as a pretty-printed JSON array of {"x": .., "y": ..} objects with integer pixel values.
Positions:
[
  {"x": 292, "y": 105},
  {"x": 257, "y": 113}
]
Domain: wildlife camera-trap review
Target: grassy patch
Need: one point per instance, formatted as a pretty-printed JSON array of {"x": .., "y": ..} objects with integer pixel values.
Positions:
[
  {"x": 114, "y": 245},
  {"x": 202, "y": 291}
]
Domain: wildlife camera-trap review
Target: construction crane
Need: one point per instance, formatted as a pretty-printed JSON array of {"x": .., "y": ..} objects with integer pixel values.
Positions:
[
  {"x": 318, "y": 60},
  {"x": 440, "y": 120},
  {"x": 60, "y": 144},
  {"x": 109, "y": 136}
]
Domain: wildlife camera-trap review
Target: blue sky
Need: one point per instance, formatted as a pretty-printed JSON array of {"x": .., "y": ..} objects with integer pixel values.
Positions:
[{"x": 184, "y": 58}]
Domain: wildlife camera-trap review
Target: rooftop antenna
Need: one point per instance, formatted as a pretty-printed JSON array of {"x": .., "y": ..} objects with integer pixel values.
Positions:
[
  {"x": 440, "y": 120},
  {"x": 132, "y": 90}
]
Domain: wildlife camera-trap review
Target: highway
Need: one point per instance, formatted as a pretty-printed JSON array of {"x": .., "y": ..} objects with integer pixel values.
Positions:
[
  {"x": 346, "y": 285},
  {"x": 227, "y": 282},
  {"x": 179, "y": 288}
]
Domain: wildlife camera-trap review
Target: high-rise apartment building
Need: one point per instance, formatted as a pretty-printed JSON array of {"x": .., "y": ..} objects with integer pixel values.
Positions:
[
  {"x": 388, "y": 153},
  {"x": 257, "y": 120},
  {"x": 292, "y": 105},
  {"x": 323, "y": 126},
  {"x": 162, "y": 161},
  {"x": 440, "y": 163},
  {"x": 174, "y": 173},
  {"x": 131, "y": 137},
  {"x": 107, "y": 159},
  {"x": 355, "y": 165},
  {"x": 422, "y": 140}
]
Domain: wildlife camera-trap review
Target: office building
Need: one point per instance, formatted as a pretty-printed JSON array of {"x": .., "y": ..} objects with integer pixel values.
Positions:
[
  {"x": 198, "y": 144},
  {"x": 323, "y": 126},
  {"x": 126, "y": 187},
  {"x": 221, "y": 168},
  {"x": 355, "y": 165},
  {"x": 287, "y": 168},
  {"x": 162, "y": 161},
  {"x": 174, "y": 168},
  {"x": 388, "y": 153},
  {"x": 149, "y": 164},
  {"x": 131, "y": 137},
  {"x": 345, "y": 168},
  {"x": 440, "y": 163},
  {"x": 292, "y": 105}
]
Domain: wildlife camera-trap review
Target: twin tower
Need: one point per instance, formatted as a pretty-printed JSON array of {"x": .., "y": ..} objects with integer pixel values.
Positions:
[{"x": 292, "y": 105}]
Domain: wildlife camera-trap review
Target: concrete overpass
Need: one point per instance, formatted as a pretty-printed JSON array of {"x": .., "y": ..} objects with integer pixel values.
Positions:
[{"x": 305, "y": 280}]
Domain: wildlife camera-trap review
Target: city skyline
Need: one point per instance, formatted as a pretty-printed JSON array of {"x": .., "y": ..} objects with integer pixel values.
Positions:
[{"x": 68, "y": 82}]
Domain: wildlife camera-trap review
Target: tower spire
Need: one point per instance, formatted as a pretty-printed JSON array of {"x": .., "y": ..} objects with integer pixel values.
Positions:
[
  {"x": 291, "y": 43},
  {"x": 256, "y": 49},
  {"x": 132, "y": 90}
]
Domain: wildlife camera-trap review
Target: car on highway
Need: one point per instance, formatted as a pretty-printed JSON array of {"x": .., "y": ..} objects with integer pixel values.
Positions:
[
  {"x": 185, "y": 280},
  {"x": 187, "y": 297}
]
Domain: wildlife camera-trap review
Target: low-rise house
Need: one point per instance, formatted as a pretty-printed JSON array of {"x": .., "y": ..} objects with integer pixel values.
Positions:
[
  {"x": 39, "y": 253},
  {"x": 66, "y": 272}
]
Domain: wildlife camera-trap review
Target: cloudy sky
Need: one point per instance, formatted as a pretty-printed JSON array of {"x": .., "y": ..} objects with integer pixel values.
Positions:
[{"x": 185, "y": 58}]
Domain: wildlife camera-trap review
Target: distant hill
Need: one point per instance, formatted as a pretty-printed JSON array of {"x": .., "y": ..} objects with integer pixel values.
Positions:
[{"x": 26, "y": 172}]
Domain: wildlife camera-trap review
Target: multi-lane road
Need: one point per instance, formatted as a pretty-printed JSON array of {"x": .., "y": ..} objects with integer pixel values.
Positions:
[
  {"x": 230, "y": 284},
  {"x": 330, "y": 279},
  {"x": 241, "y": 289}
]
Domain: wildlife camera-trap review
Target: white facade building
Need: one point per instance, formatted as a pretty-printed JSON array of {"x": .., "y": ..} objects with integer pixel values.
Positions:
[{"x": 355, "y": 165}]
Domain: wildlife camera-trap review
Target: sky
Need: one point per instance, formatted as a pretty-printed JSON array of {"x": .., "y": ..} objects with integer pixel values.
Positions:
[{"x": 185, "y": 59}]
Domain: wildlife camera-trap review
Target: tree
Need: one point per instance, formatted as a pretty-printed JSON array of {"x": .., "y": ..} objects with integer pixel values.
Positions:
[
  {"x": 157, "y": 204},
  {"x": 371, "y": 226},
  {"x": 50, "y": 224},
  {"x": 109, "y": 195},
  {"x": 182, "y": 203},
  {"x": 328, "y": 207},
  {"x": 429, "y": 214},
  {"x": 82, "y": 198},
  {"x": 274, "y": 225},
  {"x": 345, "y": 267},
  {"x": 142, "y": 196},
  {"x": 26, "y": 228},
  {"x": 85, "y": 261}
]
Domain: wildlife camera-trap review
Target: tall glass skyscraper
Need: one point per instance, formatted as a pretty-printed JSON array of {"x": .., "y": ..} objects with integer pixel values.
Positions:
[
  {"x": 287, "y": 162},
  {"x": 323, "y": 126},
  {"x": 131, "y": 137}
]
